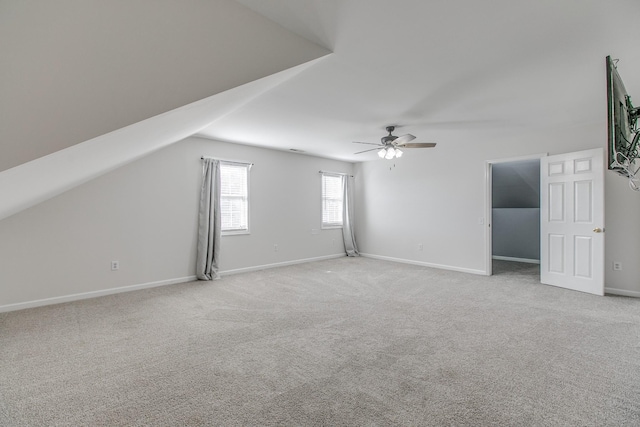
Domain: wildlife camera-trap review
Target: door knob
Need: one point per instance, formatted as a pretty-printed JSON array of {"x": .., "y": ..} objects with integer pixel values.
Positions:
[{"x": 598, "y": 230}]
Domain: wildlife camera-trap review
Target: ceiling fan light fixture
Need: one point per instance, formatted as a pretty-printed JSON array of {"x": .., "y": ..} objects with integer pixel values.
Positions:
[
  {"x": 391, "y": 153},
  {"x": 389, "y": 148}
]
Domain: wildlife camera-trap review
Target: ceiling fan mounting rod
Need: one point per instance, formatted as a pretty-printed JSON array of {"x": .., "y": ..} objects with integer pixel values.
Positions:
[{"x": 387, "y": 140}]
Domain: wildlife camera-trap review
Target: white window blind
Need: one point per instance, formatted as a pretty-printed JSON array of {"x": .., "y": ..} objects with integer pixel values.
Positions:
[
  {"x": 234, "y": 196},
  {"x": 331, "y": 200}
]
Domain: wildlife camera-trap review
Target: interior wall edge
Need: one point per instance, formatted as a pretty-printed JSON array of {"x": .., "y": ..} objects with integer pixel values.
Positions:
[
  {"x": 621, "y": 292},
  {"x": 279, "y": 264},
  {"x": 508, "y": 258},
  {"x": 112, "y": 291},
  {"x": 425, "y": 264},
  {"x": 92, "y": 294}
]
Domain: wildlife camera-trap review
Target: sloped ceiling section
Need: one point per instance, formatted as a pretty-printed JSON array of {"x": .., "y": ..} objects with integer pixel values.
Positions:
[
  {"x": 38, "y": 180},
  {"x": 73, "y": 70},
  {"x": 90, "y": 86}
]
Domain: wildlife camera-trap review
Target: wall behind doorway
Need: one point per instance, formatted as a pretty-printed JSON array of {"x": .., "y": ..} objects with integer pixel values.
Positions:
[{"x": 516, "y": 210}]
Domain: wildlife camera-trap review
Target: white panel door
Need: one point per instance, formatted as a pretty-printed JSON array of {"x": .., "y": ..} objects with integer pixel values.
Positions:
[{"x": 572, "y": 221}]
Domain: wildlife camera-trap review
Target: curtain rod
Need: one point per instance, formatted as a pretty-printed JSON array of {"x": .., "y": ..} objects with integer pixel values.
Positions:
[
  {"x": 336, "y": 173},
  {"x": 227, "y": 161}
]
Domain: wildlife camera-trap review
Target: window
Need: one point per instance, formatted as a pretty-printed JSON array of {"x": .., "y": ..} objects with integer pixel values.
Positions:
[
  {"x": 234, "y": 197},
  {"x": 331, "y": 200}
]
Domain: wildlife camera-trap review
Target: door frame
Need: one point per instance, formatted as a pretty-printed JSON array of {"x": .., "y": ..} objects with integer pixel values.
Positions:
[{"x": 488, "y": 205}]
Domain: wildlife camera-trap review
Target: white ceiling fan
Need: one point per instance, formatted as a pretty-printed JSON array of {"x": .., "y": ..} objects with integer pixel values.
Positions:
[{"x": 390, "y": 145}]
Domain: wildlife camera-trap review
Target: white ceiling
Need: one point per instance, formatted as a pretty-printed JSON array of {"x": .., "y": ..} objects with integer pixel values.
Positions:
[{"x": 444, "y": 70}]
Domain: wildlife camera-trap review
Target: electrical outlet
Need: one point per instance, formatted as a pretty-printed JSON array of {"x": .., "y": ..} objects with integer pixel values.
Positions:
[
  {"x": 275, "y": 248},
  {"x": 420, "y": 246},
  {"x": 617, "y": 265},
  {"x": 115, "y": 265}
]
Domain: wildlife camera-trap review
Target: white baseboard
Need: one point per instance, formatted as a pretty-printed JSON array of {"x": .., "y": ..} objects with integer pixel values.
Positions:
[
  {"x": 425, "y": 264},
  {"x": 508, "y": 258},
  {"x": 279, "y": 264},
  {"x": 104, "y": 292},
  {"x": 622, "y": 292},
  {"x": 92, "y": 294},
  {"x": 100, "y": 293}
]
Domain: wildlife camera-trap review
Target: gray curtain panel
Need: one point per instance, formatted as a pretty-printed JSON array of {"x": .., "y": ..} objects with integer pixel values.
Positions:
[
  {"x": 347, "y": 219},
  {"x": 209, "y": 224}
]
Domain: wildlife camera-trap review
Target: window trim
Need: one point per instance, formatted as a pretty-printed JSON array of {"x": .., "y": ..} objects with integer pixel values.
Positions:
[
  {"x": 241, "y": 231},
  {"x": 329, "y": 225}
]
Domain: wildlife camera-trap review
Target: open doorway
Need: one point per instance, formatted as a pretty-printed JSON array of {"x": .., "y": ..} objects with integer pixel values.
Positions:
[
  {"x": 513, "y": 201},
  {"x": 570, "y": 192}
]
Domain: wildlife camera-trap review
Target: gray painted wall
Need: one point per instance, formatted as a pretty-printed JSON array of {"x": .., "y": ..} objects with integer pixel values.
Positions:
[
  {"x": 516, "y": 184},
  {"x": 516, "y": 233},
  {"x": 145, "y": 215},
  {"x": 516, "y": 209}
]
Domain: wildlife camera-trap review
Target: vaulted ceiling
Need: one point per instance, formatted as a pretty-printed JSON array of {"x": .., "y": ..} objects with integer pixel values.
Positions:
[
  {"x": 444, "y": 70},
  {"x": 87, "y": 86}
]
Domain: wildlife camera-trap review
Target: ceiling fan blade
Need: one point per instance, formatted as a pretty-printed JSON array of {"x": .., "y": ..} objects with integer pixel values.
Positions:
[
  {"x": 403, "y": 139},
  {"x": 418, "y": 145},
  {"x": 368, "y": 143},
  {"x": 366, "y": 151}
]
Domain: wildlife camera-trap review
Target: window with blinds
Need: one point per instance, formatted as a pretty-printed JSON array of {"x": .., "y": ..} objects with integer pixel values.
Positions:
[
  {"x": 331, "y": 200},
  {"x": 234, "y": 197}
]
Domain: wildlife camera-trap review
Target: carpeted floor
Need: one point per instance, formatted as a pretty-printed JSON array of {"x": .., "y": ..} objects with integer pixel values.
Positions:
[
  {"x": 516, "y": 270},
  {"x": 336, "y": 343}
]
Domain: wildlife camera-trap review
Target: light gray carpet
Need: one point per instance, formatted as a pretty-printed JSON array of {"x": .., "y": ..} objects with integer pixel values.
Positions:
[{"x": 336, "y": 343}]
